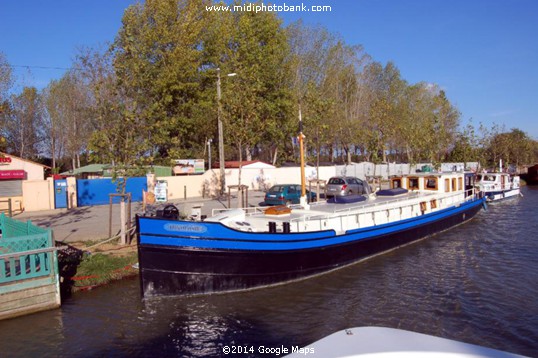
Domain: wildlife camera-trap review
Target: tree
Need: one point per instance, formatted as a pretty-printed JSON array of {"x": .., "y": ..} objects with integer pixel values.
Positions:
[
  {"x": 157, "y": 57},
  {"x": 329, "y": 85},
  {"x": 384, "y": 112},
  {"x": 68, "y": 123},
  {"x": 255, "y": 99},
  {"x": 514, "y": 147},
  {"x": 6, "y": 80},
  {"x": 308, "y": 63},
  {"x": 446, "y": 118},
  {"x": 22, "y": 124},
  {"x": 466, "y": 147}
]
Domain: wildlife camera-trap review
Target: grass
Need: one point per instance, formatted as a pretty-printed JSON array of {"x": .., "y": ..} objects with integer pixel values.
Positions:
[{"x": 98, "y": 269}]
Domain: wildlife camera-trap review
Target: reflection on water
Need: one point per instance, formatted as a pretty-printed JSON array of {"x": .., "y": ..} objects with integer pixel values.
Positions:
[{"x": 477, "y": 283}]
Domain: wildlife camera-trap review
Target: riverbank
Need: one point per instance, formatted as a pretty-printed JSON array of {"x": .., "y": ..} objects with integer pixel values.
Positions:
[
  {"x": 470, "y": 284},
  {"x": 83, "y": 269},
  {"x": 89, "y": 254}
]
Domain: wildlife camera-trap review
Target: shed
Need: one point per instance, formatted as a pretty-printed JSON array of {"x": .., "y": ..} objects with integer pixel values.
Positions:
[
  {"x": 246, "y": 164},
  {"x": 90, "y": 171}
]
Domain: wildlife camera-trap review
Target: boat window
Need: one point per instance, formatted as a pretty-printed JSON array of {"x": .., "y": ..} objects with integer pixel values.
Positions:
[
  {"x": 430, "y": 183},
  {"x": 454, "y": 187},
  {"x": 413, "y": 183},
  {"x": 460, "y": 183},
  {"x": 396, "y": 183},
  {"x": 447, "y": 185}
]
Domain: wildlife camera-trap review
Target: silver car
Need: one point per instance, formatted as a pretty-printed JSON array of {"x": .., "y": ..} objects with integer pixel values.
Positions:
[{"x": 342, "y": 186}]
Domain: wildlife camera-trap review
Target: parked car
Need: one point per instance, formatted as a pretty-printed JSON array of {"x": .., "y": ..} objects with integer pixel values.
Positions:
[
  {"x": 286, "y": 194},
  {"x": 342, "y": 186}
]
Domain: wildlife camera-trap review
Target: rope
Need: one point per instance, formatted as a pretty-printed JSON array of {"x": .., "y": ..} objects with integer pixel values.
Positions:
[{"x": 128, "y": 232}]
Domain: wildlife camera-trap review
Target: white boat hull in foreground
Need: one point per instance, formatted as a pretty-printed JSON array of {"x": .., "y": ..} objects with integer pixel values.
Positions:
[{"x": 389, "y": 342}]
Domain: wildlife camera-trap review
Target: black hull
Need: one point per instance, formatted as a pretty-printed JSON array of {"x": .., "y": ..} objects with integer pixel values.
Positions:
[
  {"x": 168, "y": 270},
  {"x": 530, "y": 180}
]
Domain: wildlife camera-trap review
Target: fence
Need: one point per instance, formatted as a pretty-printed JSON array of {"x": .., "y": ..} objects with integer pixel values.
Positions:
[
  {"x": 26, "y": 251},
  {"x": 29, "y": 279},
  {"x": 96, "y": 191}
]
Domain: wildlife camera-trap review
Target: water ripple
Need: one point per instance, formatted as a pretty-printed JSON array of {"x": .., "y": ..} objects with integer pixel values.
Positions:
[{"x": 476, "y": 283}]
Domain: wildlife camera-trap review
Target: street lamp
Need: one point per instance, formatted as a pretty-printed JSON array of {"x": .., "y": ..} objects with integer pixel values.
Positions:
[{"x": 221, "y": 134}]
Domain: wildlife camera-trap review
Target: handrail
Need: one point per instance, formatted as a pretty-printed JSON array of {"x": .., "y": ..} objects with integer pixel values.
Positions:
[
  {"x": 248, "y": 211},
  {"x": 373, "y": 205},
  {"x": 25, "y": 253}
]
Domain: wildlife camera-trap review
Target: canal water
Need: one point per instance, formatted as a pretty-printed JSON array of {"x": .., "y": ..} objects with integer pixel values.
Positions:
[{"x": 476, "y": 283}]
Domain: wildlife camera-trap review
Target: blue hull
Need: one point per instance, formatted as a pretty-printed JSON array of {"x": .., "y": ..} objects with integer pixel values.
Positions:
[{"x": 179, "y": 257}]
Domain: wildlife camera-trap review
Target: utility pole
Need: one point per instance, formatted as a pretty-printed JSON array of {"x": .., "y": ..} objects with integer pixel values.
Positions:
[{"x": 221, "y": 135}]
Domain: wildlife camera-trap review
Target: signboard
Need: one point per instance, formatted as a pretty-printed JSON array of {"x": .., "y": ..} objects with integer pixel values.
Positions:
[
  {"x": 12, "y": 174},
  {"x": 161, "y": 191},
  {"x": 5, "y": 160},
  {"x": 189, "y": 166}
]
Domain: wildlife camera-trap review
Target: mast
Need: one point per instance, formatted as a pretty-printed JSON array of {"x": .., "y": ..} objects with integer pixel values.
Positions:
[{"x": 302, "y": 201}]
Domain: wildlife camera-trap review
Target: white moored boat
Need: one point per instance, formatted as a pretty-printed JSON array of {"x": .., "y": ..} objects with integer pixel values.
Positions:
[{"x": 498, "y": 186}]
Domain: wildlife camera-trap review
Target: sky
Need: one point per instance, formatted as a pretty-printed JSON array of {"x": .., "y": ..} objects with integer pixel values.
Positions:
[{"x": 482, "y": 53}]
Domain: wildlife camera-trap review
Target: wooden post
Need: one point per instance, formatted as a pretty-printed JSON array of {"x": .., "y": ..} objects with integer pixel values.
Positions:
[
  {"x": 129, "y": 210},
  {"x": 144, "y": 203},
  {"x": 123, "y": 240},
  {"x": 110, "y": 217},
  {"x": 125, "y": 216}
]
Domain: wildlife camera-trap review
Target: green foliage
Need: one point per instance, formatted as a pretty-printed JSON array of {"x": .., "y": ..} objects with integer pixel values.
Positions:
[
  {"x": 99, "y": 268},
  {"x": 152, "y": 97},
  {"x": 255, "y": 102},
  {"x": 157, "y": 58}
]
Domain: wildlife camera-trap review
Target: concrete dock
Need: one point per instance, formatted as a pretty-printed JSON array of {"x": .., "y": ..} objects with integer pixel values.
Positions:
[{"x": 91, "y": 223}]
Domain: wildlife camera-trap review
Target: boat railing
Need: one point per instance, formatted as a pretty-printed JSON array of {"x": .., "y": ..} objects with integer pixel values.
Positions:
[
  {"x": 366, "y": 209},
  {"x": 376, "y": 204},
  {"x": 374, "y": 207},
  {"x": 248, "y": 211}
]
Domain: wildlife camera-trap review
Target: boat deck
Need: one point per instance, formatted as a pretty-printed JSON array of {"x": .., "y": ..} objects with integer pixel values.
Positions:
[
  {"x": 319, "y": 214},
  {"x": 324, "y": 209}
]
